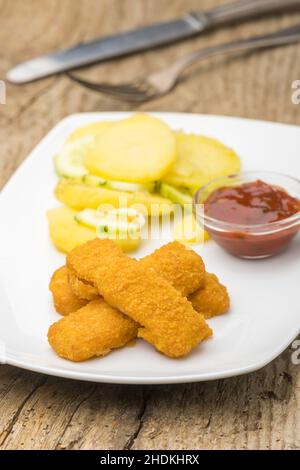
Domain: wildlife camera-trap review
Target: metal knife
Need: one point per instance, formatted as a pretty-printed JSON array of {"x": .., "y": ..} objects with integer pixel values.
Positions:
[{"x": 141, "y": 39}]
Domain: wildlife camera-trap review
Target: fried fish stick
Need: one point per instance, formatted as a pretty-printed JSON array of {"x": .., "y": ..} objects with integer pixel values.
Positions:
[
  {"x": 64, "y": 299},
  {"x": 182, "y": 267},
  {"x": 212, "y": 299},
  {"x": 167, "y": 319},
  {"x": 64, "y": 295},
  {"x": 82, "y": 289},
  {"x": 176, "y": 263},
  {"x": 179, "y": 265},
  {"x": 94, "y": 330}
]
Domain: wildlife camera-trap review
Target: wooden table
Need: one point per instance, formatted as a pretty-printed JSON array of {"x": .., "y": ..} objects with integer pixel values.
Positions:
[{"x": 256, "y": 411}]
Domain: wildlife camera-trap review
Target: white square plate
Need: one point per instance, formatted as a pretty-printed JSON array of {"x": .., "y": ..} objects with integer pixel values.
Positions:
[{"x": 265, "y": 313}]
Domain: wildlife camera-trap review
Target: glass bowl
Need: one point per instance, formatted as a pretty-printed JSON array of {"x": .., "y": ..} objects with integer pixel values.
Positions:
[{"x": 250, "y": 241}]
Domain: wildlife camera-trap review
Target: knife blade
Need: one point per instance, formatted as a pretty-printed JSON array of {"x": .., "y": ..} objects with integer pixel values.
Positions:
[
  {"x": 105, "y": 48},
  {"x": 140, "y": 39}
]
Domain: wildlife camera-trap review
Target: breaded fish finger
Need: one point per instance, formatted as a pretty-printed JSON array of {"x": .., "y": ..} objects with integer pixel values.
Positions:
[
  {"x": 212, "y": 299},
  {"x": 64, "y": 299},
  {"x": 182, "y": 267},
  {"x": 179, "y": 265},
  {"x": 94, "y": 330},
  {"x": 82, "y": 289},
  {"x": 167, "y": 319}
]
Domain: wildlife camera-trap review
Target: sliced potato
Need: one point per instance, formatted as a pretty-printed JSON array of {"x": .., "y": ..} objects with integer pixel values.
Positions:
[
  {"x": 94, "y": 129},
  {"x": 66, "y": 233},
  {"x": 151, "y": 204},
  {"x": 187, "y": 231},
  {"x": 139, "y": 149},
  {"x": 199, "y": 160},
  {"x": 80, "y": 196}
]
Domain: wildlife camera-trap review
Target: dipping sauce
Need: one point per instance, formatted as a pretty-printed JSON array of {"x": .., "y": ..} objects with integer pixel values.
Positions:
[{"x": 252, "y": 204}]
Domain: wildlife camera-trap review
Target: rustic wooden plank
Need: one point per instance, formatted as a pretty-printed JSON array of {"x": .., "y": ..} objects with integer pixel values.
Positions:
[
  {"x": 251, "y": 412},
  {"x": 260, "y": 410},
  {"x": 257, "y": 411},
  {"x": 110, "y": 419},
  {"x": 16, "y": 388},
  {"x": 49, "y": 416}
]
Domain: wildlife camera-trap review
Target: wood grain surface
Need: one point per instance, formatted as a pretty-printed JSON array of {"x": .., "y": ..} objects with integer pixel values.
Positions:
[{"x": 257, "y": 411}]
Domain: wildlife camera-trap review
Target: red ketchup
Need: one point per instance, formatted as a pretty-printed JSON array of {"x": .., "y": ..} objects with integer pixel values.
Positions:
[{"x": 252, "y": 204}]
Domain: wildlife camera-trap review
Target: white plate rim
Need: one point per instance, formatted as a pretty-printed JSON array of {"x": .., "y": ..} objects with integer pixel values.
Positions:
[{"x": 152, "y": 380}]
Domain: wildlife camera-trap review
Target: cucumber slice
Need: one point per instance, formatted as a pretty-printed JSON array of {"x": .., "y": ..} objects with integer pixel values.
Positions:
[
  {"x": 175, "y": 195},
  {"x": 115, "y": 222},
  {"x": 90, "y": 218},
  {"x": 69, "y": 162},
  {"x": 104, "y": 230},
  {"x": 125, "y": 216},
  {"x": 129, "y": 187},
  {"x": 92, "y": 180}
]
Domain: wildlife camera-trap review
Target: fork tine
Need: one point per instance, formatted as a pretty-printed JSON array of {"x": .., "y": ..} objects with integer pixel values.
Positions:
[
  {"x": 125, "y": 92},
  {"x": 122, "y": 93},
  {"x": 94, "y": 86}
]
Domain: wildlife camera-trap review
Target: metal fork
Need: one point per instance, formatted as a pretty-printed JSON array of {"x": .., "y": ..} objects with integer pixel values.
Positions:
[{"x": 161, "y": 82}]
